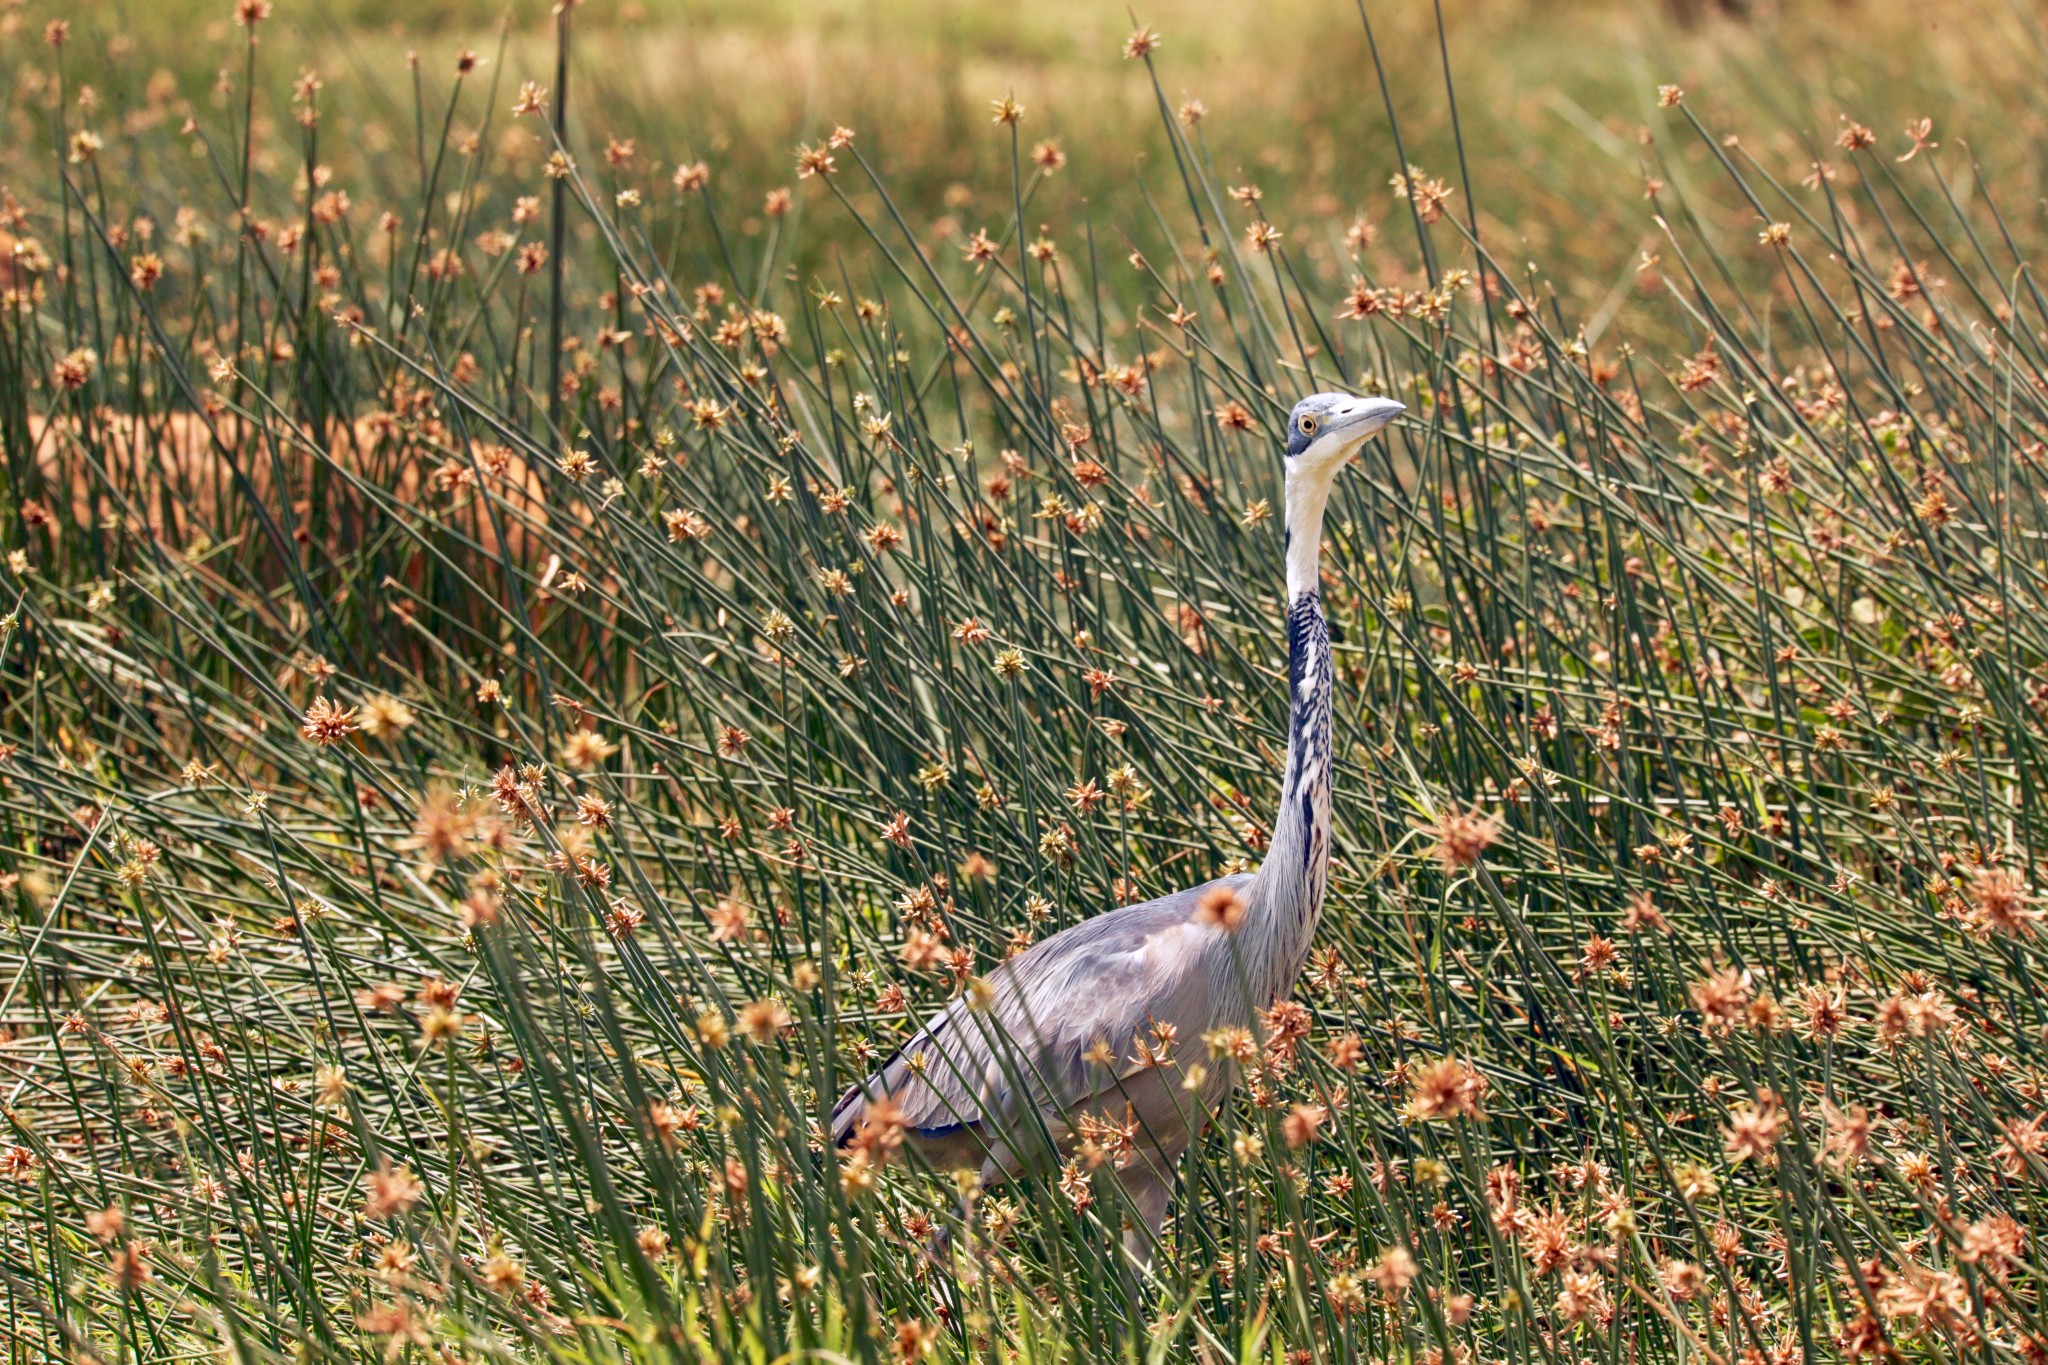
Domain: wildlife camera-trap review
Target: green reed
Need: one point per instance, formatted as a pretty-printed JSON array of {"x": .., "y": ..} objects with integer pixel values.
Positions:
[{"x": 472, "y": 800}]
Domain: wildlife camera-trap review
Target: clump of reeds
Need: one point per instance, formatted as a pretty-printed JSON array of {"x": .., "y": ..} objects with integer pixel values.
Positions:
[{"x": 512, "y": 701}]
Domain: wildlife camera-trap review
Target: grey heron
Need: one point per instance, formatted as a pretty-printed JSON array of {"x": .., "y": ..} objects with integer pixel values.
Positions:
[{"x": 1016, "y": 1074}]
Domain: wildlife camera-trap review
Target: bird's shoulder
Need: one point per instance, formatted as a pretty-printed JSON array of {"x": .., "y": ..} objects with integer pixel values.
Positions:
[{"x": 1161, "y": 936}]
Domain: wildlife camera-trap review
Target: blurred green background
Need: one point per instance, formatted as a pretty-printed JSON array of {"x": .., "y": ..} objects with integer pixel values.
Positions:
[{"x": 1554, "y": 98}]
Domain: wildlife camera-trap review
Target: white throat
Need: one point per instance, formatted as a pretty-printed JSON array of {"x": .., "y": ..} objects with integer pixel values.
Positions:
[{"x": 1308, "y": 492}]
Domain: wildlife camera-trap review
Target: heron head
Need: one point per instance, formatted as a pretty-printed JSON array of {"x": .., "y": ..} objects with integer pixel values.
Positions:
[{"x": 1326, "y": 428}]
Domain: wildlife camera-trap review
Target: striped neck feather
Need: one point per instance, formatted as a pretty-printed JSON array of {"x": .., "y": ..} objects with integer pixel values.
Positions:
[{"x": 1295, "y": 873}]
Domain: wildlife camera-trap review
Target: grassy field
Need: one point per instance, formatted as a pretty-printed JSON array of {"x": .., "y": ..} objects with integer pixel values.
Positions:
[
  {"x": 1554, "y": 101},
  {"x": 526, "y": 665}
]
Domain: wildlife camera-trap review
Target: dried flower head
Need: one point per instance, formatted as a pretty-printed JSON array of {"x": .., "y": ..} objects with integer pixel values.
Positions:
[
  {"x": 1221, "y": 907},
  {"x": 763, "y": 1021},
  {"x": 1142, "y": 43},
  {"x": 73, "y": 371},
  {"x": 1442, "y": 1090},
  {"x": 392, "y": 1191},
  {"x": 1393, "y": 1272},
  {"x": 2001, "y": 903},
  {"x": 812, "y": 161},
  {"x": 327, "y": 724},
  {"x": 384, "y": 717},
  {"x": 586, "y": 749},
  {"x": 1302, "y": 1123},
  {"x": 1462, "y": 838}
]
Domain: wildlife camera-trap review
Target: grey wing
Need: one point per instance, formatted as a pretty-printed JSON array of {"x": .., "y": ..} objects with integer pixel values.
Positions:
[{"x": 1107, "y": 978}]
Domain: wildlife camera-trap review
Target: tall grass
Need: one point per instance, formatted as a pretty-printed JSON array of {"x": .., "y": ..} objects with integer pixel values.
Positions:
[{"x": 471, "y": 804}]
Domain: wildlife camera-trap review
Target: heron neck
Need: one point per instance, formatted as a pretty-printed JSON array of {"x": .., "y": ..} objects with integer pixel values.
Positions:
[
  {"x": 1296, "y": 870},
  {"x": 1306, "y": 496}
]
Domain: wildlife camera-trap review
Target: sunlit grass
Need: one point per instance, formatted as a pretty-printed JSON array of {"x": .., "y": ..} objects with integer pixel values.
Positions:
[{"x": 470, "y": 805}]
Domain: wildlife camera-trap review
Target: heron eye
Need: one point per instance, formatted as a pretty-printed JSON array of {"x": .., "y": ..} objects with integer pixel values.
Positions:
[{"x": 1308, "y": 426}]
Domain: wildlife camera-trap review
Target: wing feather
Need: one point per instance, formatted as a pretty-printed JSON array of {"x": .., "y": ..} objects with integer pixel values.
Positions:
[{"x": 1108, "y": 978}]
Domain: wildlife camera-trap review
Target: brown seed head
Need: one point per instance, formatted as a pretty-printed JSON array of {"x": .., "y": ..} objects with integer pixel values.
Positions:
[
  {"x": 393, "y": 1190},
  {"x": 2000, "y": 902},
  {"x": 1221, "y": 907},
  {"x": 763, "y": 1020},
  {"x": 1393, "y": 1272},
  {"x": 130, "y": 1266},
  {"x": 327, "y": 724},
  {"x": 1462, "y": 837},
  {"x": 1301, "y": 1123},
  {"x": 1444, "y": 1089}
]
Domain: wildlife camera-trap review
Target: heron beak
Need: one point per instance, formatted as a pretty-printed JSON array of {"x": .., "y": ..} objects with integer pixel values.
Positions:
[{"x": 1364, "y": 416}]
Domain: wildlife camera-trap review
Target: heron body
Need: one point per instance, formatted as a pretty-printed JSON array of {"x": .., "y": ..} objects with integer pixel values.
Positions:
[{"x": 1013, "y": 1077}]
